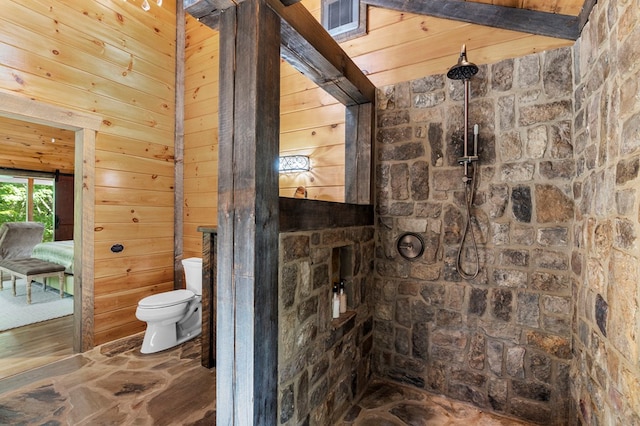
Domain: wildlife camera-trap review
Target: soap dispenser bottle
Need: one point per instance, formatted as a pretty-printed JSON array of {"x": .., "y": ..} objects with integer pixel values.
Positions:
[
  {"x": 335, "y": 302},
  {"x": 343, "y": 298}
]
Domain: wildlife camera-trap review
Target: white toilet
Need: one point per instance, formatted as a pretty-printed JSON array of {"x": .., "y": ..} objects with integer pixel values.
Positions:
[{"x": 173, "y": 317}]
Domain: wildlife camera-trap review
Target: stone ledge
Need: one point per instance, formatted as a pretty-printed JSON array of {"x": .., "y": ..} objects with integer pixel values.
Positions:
[{"x": 342, "y": 319}]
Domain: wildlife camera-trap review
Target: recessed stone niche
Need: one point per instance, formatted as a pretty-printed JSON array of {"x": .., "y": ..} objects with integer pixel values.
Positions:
[{"x": 342, "y": 270}]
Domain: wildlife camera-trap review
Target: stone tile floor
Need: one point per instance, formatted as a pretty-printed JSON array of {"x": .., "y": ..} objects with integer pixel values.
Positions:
[
  {"x": 391, "y": 404},
  {"x": 116, "y": 385}
]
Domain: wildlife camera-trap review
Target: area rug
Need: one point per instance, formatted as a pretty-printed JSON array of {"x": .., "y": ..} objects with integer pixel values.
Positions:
[{"x": 45, "y": 305}]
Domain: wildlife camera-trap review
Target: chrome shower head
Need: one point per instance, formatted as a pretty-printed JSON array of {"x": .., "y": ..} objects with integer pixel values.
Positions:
[{"x": 464, "y": 69}]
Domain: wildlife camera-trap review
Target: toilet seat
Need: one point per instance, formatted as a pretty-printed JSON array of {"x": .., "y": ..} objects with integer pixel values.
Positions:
[{"x": 166, "y": 299}]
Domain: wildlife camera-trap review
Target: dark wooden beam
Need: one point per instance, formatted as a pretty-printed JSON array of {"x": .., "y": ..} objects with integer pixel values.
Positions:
[
  {"x": 200, "y": 8},
  {"x": 318, "y": 69},
  {"x": 509, "y": 18},
  {"x": 248, "y": 217},
  {"x": 309, "y": 48},
  {"x": 310, "y": 215}
]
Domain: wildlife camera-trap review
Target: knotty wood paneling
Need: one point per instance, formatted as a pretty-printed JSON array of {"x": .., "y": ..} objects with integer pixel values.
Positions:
[
  {"x": 31, "y": 146},
  {"x": 311, "y": 123},
  {"x": 403, "y": 46},
  {"x": 201, "y": 133},
  {"x": 138, "y": 280},
  {"x": 113, "y": 59}
]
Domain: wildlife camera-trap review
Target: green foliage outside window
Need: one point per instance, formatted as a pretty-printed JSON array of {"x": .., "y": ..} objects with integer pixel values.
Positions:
[{"x": 13, "y": 205}]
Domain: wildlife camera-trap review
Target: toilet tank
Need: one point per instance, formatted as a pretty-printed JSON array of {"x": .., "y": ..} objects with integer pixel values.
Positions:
[{"x": 193, "y": 274}]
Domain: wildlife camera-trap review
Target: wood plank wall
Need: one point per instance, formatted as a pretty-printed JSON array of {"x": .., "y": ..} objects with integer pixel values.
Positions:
[
  {"x": 312, "y": 124},
  {"x": 114, "y": 59},
  {"x": 200, "y": 134}
]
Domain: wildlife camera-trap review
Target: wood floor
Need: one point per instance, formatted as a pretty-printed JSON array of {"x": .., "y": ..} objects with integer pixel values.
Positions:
[{"x": 35, "y": 345}]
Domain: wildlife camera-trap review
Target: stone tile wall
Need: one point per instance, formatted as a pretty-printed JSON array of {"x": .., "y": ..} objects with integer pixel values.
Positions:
[
  {"x": 502, "y": 340},
  {"x": 323, "y": 364},
  {"x": 606, "y": 256}
]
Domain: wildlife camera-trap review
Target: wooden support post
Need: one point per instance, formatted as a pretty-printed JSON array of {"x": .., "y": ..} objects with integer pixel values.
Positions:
[
  {"x": 83, "y": 244},
  {"x": 359, "y": 154},
  {"x": 247, "y": 317}
]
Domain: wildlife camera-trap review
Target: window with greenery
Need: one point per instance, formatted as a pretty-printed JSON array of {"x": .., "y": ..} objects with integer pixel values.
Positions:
[{"x": 13, "y": 204}]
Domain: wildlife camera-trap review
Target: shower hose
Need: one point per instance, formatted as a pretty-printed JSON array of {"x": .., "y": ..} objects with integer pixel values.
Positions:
[{"x": 469, "y": 191}]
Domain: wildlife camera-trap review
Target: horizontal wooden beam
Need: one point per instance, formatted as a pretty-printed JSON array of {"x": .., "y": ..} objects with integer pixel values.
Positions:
[
  {"x": 509, "y": 18},
  {"x": 309, "y": 215},
  {"x": 309, "y": 48},
  {"x": 318, "y": 69},
  {"x": 200, "y": 8}
]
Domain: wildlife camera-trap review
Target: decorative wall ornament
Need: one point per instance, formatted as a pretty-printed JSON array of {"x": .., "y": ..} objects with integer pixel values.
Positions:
[{"x": 294, "y": 163}]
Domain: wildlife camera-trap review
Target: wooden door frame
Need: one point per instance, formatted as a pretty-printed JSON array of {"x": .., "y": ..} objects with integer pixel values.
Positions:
[{"x": 85, "y": 125}]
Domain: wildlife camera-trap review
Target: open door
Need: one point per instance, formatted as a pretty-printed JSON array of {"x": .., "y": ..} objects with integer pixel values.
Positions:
[{"x": 63, "y": 207}]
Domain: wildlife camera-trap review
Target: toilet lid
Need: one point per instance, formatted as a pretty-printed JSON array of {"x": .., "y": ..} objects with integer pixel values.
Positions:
[{"x": 168, "y": 298}]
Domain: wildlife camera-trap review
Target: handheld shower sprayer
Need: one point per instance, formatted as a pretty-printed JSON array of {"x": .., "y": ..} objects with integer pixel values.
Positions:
[{"x": 464, "y": 70}]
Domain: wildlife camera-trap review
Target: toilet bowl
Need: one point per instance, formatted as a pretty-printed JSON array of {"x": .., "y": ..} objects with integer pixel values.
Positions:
[{"x": 173, "y": 317}]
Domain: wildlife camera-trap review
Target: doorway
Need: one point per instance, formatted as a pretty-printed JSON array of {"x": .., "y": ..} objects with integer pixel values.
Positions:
[
  {"x": 84, "y": 125},
  {"x": 35, "y": 334}
]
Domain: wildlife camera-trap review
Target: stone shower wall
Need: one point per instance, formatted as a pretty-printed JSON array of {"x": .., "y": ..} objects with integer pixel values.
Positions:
[
  {"x": 323, "y": 364},
  {"x": 502, "y": 340},
  {"x": 606, "y": 258}
]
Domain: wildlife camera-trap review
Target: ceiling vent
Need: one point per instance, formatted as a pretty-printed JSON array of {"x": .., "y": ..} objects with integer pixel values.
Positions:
[{"x": 340, "y": 16}]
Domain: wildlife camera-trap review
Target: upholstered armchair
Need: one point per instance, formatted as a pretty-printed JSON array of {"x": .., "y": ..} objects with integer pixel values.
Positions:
[{"x": 17, "y": 239}]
